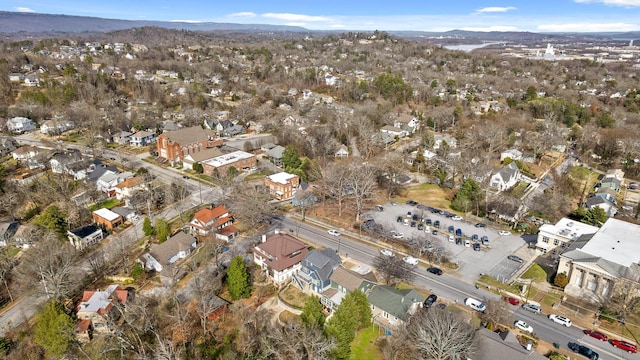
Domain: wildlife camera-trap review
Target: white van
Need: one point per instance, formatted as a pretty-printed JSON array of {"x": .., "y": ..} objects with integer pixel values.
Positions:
[{"x": 476, "y": 305}]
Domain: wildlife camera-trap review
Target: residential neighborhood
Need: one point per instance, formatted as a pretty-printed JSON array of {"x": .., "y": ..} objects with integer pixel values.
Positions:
[{"x": 210, "y": 195}]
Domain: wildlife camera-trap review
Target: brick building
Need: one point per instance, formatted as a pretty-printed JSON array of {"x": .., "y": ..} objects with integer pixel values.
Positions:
[
  {"x": 282, "y": 185},
  {"x": 176, "y": 145},
  {"x": 238, "y": 159}
]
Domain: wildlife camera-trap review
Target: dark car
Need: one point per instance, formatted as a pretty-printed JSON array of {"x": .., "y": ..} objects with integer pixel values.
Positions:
[
  {"x": 515, "y": 258},
  {"x": 451, "y": 228},
  {"x": 412, "y": 203},
  {"x": 434, "y": 232},
  {"x": 420, "y": 226},
  {"x": 428, "y": 222},
  {"x": 458, "y": 241},
  {"x": 583, "y": 350},
  {"x": 434, "y": 270},
  {"x": 430, "y": 300},
  {"x": 481, "y": 225},
  {"x": 458, "y": 232},
  {"x": 379, "y": 208},
  {"x": 414, "y": 217},
  {"x": 436, "y": 223},
  {"x": 185, "y": 177},
  {"x": 474, "y": 237},
  {"x": 435, "y": 211},
  {"x": 476, "y": 247},
  {"x": 399, "y": 219},
  {"x": 413, "y": 224}
]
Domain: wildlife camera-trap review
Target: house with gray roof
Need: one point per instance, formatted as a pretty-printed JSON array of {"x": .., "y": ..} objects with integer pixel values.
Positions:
[
  {"x": 163, "y": 257},
  {"x": 391, "y": 307},
  {"x": 602, "y": 202},
  {"x": 142, "y": 138},
  {"x": 505, "y": 178},
  {"x": 344, "y": 281},
  {"x": 600, "y": 264},
  {"x": 275, "y": 154},
  {"x": 502, "y": 346},
  {"x": 316, "y": 270},
  {"x": 7, "y": 145}
]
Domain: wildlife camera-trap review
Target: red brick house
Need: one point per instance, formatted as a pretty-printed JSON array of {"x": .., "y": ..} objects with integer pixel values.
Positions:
[
  {"x": 176, "y": 145},
  {"x": 282, "y": 185}
]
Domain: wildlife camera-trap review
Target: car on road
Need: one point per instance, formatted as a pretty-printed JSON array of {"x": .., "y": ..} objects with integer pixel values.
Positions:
[
  {"x": 397, "y": 235},
  {"x": 333, "y": 232},
  {"x": 410, "y": 260},
  {"x": 533, "y": 308},
  {"x": 476, "y": 247},
  {"x": 412, "y": 203},
  {"x": 560, "y": 319},
  {"x": 434, "y": 270},
  {"x": 387, "y": 252},
  {"x": 504, "y": 232},
  {"x": 379, "y": 208},
  {"x": 456, "y": 218},
  {"x": 515, "y": 258},
  {"x": 430, "y": 300},
  {"x": 583, "y": 350},
  {"x": 523, "y": 326},
  {"x": 623, "y": 345},
  {"x": 185, "y": 177},
  {"x": 475, "y": 304},
  {"x": 481, "y": 225},
  {"x": 393, "y": 203},
  {"x": 511, "y": 300},
  {"x": 596, "y": 335}
]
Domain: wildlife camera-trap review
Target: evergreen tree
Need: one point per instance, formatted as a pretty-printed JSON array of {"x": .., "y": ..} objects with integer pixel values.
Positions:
[
  {"x": 162, "y": 230},
  {"x": 353, "y": 314},
  {"x": 147, "y": 228},
  {"x": 312, "y": 313},
  {"x": 53, "y": 219},
  {"x": 291, "y": 158},
  {"x": 238, "y": 279},
  {"x": 54, "y": 330}
]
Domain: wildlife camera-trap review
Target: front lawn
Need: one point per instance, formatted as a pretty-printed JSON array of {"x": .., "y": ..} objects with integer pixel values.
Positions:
[
  {"x": 536, "y": 273},
  {"x": 107, "y": 204},
  {"x": 364, "y": 345}
]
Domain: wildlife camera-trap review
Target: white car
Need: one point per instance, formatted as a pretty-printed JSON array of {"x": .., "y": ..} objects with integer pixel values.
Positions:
[
  {"x": 523, "y": 326},
  {"x": 504, "y": 232},
  {"x": 456, "y": 218},
  {"x": 560, "y": 320},
  {"x": 410, "y": 260},
  {"x": 387, "y": 252},
  {"x": 397, "y": 235},
  {"x": 333, "y": 232}
]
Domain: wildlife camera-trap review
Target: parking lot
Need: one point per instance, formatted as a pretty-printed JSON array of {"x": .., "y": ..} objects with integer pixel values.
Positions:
[{"x": 490, "y": 259}]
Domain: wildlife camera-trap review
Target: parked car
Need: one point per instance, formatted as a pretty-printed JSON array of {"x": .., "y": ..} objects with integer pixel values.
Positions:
[
  {"x": 481, "y": 225},
  {"x": 397, "y": 235},
  {"x": 533, "y": 308},
  {"x": 476, "y": 247},
  {"x": 333, "y": 232},
  {"x": 430, "y": 300},
  {"x": 515, "y": 258},
  {"x": 428, "y": 222},
  {"x": 410, "y": 260},
  {"x": 420, "y": 226},
  {"x": 434, "y": 232},
  {"x": 379, "y": 208},
  {"x": 467, "y": 243},
  {"x": 511, "y": 300},
  {"x": 456, "y": 218},
  {"x": 450, "y": 238},
  {"x": 405, "y": 222},
  {"x": 458, "y": 232},
  {"x": 523, "y": 326},
  {"x": 434, "y": 270},
  {"x": 476, "y": 305},
  {"x": 436, "y": 224},
  {"x": 596, "y": 334},
  {"x": 560, "y": 319},
  {"x": 504, "y": 232},
  {"x": 409, "y": 214},
  {"x": 184, "y": 176},
  {"x": 399, "y": 219},
  {"x": 413, "y": 224},
  {"x": 485, "y": 240},
  {"x": 393, "y": 203},
  {"x": 451, "y": 228},
  {"x": 412, "y": 203},
  {"x": 474, "y": 237},
  {"x": 414, "y": 217},
  {"x": 458, "y": 241},
  {"x": 387, "y": 252},
  {"x": 623, "y": 345},
  {"x": 583, "y": 350}
]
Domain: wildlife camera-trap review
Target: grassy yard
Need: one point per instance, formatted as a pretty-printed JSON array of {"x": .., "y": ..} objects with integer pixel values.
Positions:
[
  {"x": 294, "y": 296},
  {"x": 364, "y": 346},
  {"x": 536, "y": 273},
  {"x": 108, "y": 204},
  {"x": 429, "y": 194},
  {"x": 257, "y": 175}
]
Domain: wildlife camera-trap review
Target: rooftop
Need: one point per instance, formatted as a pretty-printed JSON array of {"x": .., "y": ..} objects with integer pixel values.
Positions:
[
  {"x": 228, "y": 158},
  {"x": 568, "y": 228},
  {"x": 106, "y": 214},
  {"x": 281, "y": 177},
  {"x": 616, "y": 241}
]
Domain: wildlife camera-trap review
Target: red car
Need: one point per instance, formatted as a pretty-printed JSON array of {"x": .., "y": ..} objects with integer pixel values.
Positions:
[
  {"x": 511, "y": 300},
  {"x": 628, "y": 347},
  {"x": 596, "y": 334}
]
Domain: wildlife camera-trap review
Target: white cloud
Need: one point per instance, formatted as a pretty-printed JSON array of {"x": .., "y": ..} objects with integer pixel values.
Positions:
[
  {"x": 626, "y": 3},
  {"x": 187, "y": 21},
  {"x": 492, "y": 28},
  {"x": 589, "y": 27},
  {"x": 243, "y": 14},
  {"x": 494, "y": 9},
  {"x": 295, "y": 17},
  {"x": 23, "y": 9}
]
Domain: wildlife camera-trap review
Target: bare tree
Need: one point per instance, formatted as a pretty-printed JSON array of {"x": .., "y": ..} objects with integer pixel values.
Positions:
[
  {"x": 434, "y": 334},
  {"x": 296, "y": 341},
  {"x": 362, "y": 184},
  {"x": 251, "y": 205},
  {"x": 393, "y": 269},
  {"x": 497, "y": 312},
  {"x": 7, "y": 263},
  {"x": 624, "y": 300}
]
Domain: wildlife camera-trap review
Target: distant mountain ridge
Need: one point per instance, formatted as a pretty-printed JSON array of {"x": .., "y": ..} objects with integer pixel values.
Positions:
[{"x": 16, "y": 22}]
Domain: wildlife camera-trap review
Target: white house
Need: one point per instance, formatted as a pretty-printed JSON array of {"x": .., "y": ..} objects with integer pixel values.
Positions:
[
  {"x": 602, "y": 202},
  {"x": 142, "y": 138},
  {"x": 20, "y": 124},
  {"x": 108, "y": 181},
  {"x": 85, "y": 236},
  {"x": 163, "y": 257},
  {"x": 280, "y": 256},
  {"x": 51, "y": 127},
  {"x": 513, "y": 154},
  {"x": 552, "y": 237},
  {"x": 343, "y": 151},
  {"x": 393, "y": 131},
  {"x": 505, "y": 178},
  {"x": 407, "y": 122}
]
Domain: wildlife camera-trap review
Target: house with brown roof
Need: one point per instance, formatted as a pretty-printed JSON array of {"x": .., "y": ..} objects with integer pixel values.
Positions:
[
  {"x": 210, "y": 219},
  {"x": 25, "y": 153},
  {"x": 96, "y": 312},
  {"x": 280, "y": 256},
  {"x": 176, "y": 145},
  {"x": 344, "y": 281},
  {"x": 129, "y": 187},
  {"x": 502, "y": 346}
]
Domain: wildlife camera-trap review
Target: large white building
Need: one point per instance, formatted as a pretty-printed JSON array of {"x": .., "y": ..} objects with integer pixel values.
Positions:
[
  {"x": 554, "y": 238},
  {"x": 597, "y": 262}
]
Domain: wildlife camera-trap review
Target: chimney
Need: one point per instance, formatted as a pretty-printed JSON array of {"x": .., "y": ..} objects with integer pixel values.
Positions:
[
  {"x": 264, "y": 237},
  {"x": 276, "y": 231}
]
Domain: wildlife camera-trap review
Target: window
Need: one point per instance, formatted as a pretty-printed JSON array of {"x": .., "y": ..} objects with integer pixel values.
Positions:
[
  {"x": 556, "y": 242},
  {"x": 545, "y": 239}
]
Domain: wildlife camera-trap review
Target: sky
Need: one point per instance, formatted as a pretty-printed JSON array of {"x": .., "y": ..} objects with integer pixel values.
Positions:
[{"x": 390, "y": 15}]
